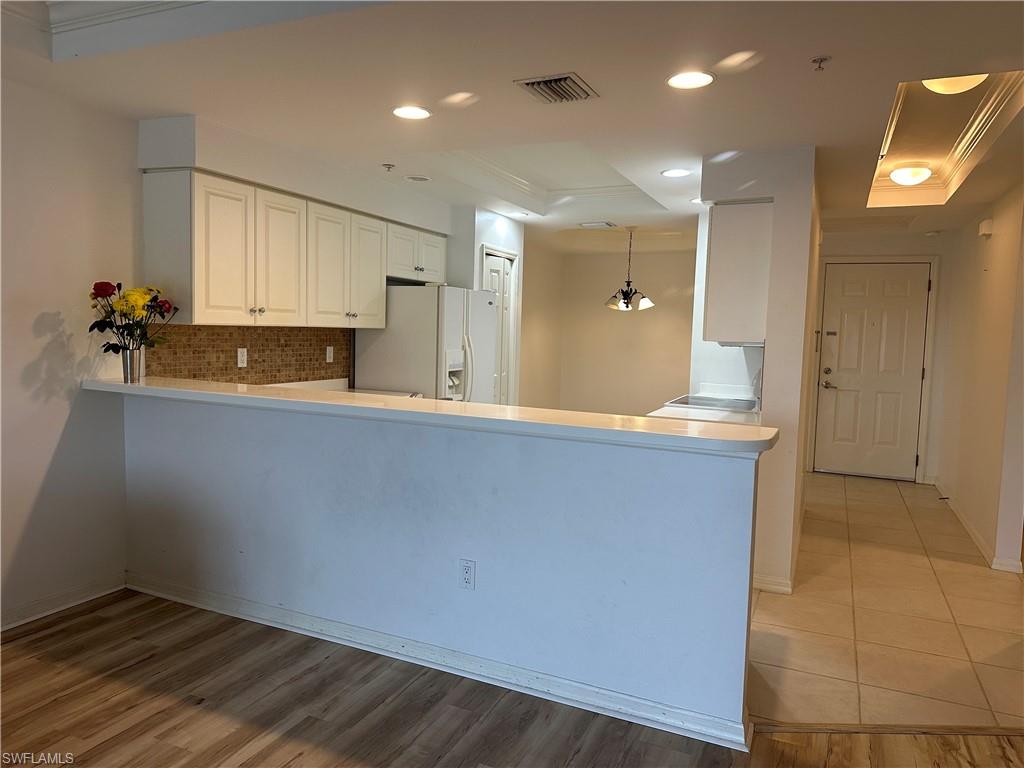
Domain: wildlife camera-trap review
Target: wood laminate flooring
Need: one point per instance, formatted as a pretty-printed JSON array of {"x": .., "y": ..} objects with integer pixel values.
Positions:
[{"x": 133, "y": 680}]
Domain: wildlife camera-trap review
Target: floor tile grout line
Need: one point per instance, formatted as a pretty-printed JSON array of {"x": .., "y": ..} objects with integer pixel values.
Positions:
[
  {"x": 959, "y": 633},
  {"x": 875, "y": 685},
  {"x": 853, "y": 603}
]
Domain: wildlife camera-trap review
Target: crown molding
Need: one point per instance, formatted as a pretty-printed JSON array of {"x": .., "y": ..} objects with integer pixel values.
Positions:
[{"x": 66, "y": 16}]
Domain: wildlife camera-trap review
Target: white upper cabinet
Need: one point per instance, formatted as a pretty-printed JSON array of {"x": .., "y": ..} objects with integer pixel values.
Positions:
[
  {"x": 433, "y": 251},
  {"x": 367, "y": 273},
  {"x": 223, "y": 290},
  {"x": 415, "y": 255},
  {"x": 347, "y": 269},
  {"x": 330, "y": 232},
  {"x": 280, "y": 259},
  {"x": 739, "y": 262},
  {"x": 229, "y": 253}
]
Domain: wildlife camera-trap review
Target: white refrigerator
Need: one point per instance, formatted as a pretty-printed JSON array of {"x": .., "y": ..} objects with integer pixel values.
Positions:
[{"x": 439, "y": 341}]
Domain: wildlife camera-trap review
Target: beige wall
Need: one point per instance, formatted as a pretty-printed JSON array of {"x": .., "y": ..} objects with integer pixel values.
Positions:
[
  {"x": 540, "y": 347},
  {"x": 71, "y": 200},
  {"x": 579, "y": 355},
  {"x": 978, "y": 289}
]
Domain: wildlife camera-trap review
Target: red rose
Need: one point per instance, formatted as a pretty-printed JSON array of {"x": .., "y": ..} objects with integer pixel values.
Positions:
[
  {"x": 103, "y": 289},
  {"x": 165, "y": 306}
]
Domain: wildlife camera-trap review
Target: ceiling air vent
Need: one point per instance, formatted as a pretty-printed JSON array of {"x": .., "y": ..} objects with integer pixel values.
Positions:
[{"x": 558, "y": 89}]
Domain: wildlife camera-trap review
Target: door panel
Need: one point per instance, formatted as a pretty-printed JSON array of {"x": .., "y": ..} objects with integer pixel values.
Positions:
[
  {"x": 328, "y": 249},
  {"x": 223, "y": 280},
  {"x": 433, "y": 253},
  {"x": 869, "y": 402},
  {"x": 402, "y": 248},
  {"x": 280, "y": 259},
  {"x": 367, "y": 275}
]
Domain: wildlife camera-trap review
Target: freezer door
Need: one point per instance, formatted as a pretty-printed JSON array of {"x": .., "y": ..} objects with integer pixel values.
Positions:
[
  {"x": 482, "y": 347},
  {"x": 451, "y": 346}
]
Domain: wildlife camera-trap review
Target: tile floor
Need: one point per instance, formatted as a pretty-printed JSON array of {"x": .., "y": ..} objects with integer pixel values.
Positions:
[{"x": 894, "y": 619}]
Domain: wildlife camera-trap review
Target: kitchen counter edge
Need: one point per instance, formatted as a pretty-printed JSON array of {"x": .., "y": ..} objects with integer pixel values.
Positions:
[{"x": 745, "y": 441}]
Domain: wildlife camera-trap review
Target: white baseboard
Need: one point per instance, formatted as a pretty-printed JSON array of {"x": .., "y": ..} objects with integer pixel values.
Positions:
[
  {"x": 773, "y": 584},
  {"x": 727, "y": 733},
  {"x": 1007, "y": 564},
  {"x": 44, "y": 606}
]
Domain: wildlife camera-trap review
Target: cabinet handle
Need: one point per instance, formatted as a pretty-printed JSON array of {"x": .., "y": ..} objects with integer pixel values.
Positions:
[
  {"x": 355, "y": 314},
  {"x": 263, "y": 310},
  {"x": 252, "y": 310}
]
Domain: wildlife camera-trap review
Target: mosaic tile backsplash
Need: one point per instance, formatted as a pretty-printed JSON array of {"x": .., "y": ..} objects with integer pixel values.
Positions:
[{"x": 276, "y": 355}]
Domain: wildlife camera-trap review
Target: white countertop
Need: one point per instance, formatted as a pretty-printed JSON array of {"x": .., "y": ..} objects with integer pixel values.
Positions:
[
  {"x": 640, "y": 431},
  {"x": 717, "y": 415}
]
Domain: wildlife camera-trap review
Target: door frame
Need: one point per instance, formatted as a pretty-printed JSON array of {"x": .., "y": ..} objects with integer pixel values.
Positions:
[
  {"x": 932, "y": 261},
  {"x": 515, "y": 324}
]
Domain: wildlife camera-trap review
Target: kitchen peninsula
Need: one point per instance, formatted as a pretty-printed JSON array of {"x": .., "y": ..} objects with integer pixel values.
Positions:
[{"x": 597, "y": 560}]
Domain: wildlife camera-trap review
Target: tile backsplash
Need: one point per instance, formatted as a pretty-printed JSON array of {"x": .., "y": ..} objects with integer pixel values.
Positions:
[{"x": 275, "y": 354}]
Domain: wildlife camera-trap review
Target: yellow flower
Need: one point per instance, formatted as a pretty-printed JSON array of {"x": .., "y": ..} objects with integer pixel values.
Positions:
[{"x": 133, "y": 303}]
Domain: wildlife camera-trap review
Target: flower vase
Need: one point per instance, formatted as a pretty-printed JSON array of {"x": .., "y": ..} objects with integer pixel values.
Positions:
[{"x": 131, "y": 365}]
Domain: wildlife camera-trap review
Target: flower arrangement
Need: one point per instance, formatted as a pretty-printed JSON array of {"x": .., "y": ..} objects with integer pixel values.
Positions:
[{"x": 135, "y": 316}]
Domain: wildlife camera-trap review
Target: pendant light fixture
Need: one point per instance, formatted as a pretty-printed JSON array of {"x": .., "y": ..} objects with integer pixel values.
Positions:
[{"x": 628, "y": 298}]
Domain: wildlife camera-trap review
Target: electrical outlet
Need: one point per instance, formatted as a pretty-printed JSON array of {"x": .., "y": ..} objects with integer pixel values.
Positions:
[
  {"x": 243, "y": 357},
  {"x": 330, "y": 354},
  {"x": 467, "y": 574}
]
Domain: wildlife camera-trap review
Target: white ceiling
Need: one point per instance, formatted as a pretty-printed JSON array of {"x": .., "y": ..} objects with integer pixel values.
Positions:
[{"x": 327, "y": 84}]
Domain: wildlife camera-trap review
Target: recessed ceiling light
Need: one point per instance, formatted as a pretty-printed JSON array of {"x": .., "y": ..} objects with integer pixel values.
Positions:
[
  {"x": 910, "y": 175},
  {"x": 951, "y": 85},
  {"x": 417, "y": 177},
  {"x": 411, "y": 112},
  {"x": 675, "y": 173},
  {"x": 690, "y": 80}
]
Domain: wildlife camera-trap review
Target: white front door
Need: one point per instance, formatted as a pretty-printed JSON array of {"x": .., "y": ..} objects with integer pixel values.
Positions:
[
  {"x": 498, "y": 278},
  {"x": 871, "y": 369}
]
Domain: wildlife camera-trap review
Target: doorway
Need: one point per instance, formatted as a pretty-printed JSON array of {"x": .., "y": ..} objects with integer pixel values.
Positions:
[
  {"x": 500, "y": 277},
  {"x": 871, "y": 369}
]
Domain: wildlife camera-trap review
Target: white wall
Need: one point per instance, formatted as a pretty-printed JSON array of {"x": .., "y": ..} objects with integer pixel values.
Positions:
[
  {"x": 611, "y": 577},
  {"x": 787, "y": 177},
  {"x": 189, "y": 141},
  {"x": 974, "y": 345},
  {"x": 596, "y": 359},
  {"x": 71, "y": 213}
]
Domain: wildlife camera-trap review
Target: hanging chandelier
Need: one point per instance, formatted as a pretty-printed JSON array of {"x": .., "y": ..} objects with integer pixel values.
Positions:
[{"x": 628, "y": 298}]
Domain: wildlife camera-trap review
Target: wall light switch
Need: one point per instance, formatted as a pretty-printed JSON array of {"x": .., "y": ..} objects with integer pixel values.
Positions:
[
  {"x": 330, "y": 354},
  {"x": 243, "y": 357}
]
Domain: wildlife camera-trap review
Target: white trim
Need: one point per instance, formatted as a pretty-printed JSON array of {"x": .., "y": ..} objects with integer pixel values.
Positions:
[
  {"x": 44, "y": 606},
  {"x": 929, "y": 348},
  {"x": 776, "y": 584},
  {"x": 517, "y": 309},
  {"x": 696, "y": 725},
  {"x": 1007, "y": 564}
]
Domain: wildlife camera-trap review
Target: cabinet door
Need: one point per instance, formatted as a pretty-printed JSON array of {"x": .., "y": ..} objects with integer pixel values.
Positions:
[
  {"x": 367, "y": 273},
  {"x": 402, "y": 247},
  {"x": 739, "y": 260},
  {"x": 280, "y": 259},
  {"x": 433, "y": 253},
  {"x": 327, "y": 248},
  {"x": 223, "y": 280}
]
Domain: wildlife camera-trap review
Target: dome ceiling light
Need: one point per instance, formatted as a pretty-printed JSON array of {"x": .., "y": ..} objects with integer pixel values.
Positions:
[
  {"x": 910, "y": 175},
  {"x": 949, "y": 86}
]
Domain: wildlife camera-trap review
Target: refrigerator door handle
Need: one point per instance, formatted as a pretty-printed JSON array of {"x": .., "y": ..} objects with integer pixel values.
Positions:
[{"x": 467, "y": 342}]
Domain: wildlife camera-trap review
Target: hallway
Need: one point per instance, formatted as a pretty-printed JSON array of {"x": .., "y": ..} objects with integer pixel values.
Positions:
[{"x": 894, "y": 619}]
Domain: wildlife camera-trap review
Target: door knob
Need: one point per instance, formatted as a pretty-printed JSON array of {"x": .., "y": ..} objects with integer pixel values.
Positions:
[{"x": 828, "y": 371}]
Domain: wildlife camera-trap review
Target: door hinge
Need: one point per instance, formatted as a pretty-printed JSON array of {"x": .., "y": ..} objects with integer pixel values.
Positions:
[{"x": 917, "y": 460}]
